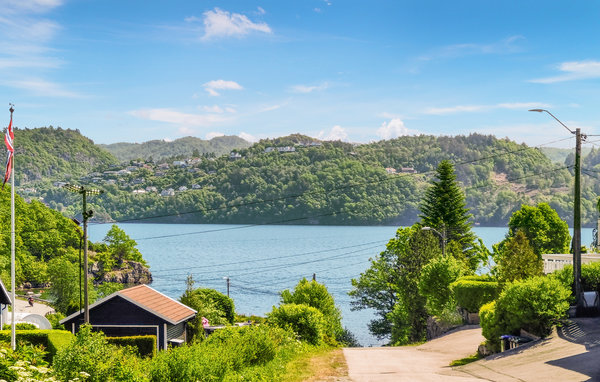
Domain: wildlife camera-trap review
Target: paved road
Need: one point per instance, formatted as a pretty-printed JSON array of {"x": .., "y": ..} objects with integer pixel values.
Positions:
[
  {"x": 572, "y": 353},
  {"x": 22, "y": 306},
  {"x": 427, "y": 362}
]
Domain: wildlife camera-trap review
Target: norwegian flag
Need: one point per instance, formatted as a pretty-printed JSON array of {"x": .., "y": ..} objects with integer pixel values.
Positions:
[{"x": 8, "y": 140}]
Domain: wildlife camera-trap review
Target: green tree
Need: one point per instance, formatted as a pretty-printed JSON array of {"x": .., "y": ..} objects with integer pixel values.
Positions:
[
  {"x": 120, "y": 247},
  {"x": 314, "y": 294},
  {"x": 517, "y": 260},
  {"x": 435, "y": 281},
  {"x": 64, "y": 289},
  {"x": 444, "y": 209},
  {"x": 544, "y": 229},
  {"x": 390, "y": 286}
]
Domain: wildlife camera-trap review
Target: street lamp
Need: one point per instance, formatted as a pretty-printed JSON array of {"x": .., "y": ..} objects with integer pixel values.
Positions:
[
  {"x": 442, "y": 235},
  {"x": 576, "y": 206},
  {"x": 84, "y": 192}
]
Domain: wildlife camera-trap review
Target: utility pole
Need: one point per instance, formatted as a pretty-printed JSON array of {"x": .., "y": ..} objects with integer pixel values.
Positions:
[
  {"x": 228, "y": 283},
  {"x": 314, "y": 277},
  {"x": 84, "y": 192},
  {"x": 576, "y": 243},
  {"x": 577, "y": 219}
]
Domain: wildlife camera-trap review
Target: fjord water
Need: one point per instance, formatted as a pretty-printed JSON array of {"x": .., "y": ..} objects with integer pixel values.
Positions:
[{"x": 262, "y": 260}]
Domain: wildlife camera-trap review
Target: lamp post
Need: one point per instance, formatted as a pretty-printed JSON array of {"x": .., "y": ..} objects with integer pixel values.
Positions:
[
  {"x": 576, "y": 206},
  {"x": 442, "y": 235},
  {"x": 84, "y": 192}
]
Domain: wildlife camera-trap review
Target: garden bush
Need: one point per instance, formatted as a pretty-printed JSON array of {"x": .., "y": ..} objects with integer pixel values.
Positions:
[
  {"x": 307, "y": 322},
  {"x": 590, "y": 276},
  {"x": 20, "y": 326},
  {"x": 533, "y": 304},
  {"x": 144, "y": 345},
  {"x": 434, "y": 284},
  {"x": 314, "y": 294},
  {"x": 51, "y": 340},
  {"x": 89, "y": 352},
  {"x": 471, "y": 294}
]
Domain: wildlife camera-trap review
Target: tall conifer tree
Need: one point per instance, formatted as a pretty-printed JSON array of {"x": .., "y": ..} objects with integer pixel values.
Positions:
[{"x": 444, "y": 209}]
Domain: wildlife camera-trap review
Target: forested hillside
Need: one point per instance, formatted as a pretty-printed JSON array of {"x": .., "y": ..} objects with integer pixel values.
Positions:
[
  {"x": 187, "y": 147},
  {"x": 298, "y": 179},
  {"x": 54, "y": 153}
]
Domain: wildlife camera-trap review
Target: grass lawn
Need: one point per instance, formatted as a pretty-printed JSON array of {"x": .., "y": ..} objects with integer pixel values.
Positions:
[{"x": 321, "y": 365}]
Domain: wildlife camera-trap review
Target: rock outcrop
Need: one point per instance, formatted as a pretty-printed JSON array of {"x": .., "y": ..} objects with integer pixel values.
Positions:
[{"x": 131, "y": 272}]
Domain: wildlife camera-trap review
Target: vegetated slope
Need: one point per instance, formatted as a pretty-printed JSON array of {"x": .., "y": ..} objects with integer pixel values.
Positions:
[
  {"x": 300, "y": 180},
  {"x": 49, "y": 153},
  {"x": 559, "y": 155},
  {"x": 187, "y": 147}
]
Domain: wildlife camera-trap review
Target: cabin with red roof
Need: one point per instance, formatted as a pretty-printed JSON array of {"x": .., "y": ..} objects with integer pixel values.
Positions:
[{"x": 136, "y": 311}]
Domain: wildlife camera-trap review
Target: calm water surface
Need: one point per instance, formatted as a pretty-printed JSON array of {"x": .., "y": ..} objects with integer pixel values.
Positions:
[{"x": 261, "y": 261}]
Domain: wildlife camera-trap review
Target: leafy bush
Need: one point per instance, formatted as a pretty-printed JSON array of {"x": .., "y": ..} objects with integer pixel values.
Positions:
[
  {"x": 89, "y": 352},
  {"x": 51, "y": 340},
  {"x": 435, "y": 281},
  {"x": 27, "y": 363},
  {"x": 590, "y": 276},
  {"x": 314, "y": 294},
  {"x": 230, "y": 354},
  {"x": 533, "y": 305},
  {"x": 144, "y": 345},
  {"x": 54, "y": 319},
  {"x": 20, "y": 326},
  {"x": 471, "y": 294},
  {"x": 307, "y": 322}
]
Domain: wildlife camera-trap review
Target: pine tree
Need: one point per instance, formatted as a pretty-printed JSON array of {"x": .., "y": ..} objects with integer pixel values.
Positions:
[{"x": 444, "y": 209}]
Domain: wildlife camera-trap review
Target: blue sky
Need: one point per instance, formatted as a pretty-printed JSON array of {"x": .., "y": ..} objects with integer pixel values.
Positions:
[{"x": 358, "y": 71}]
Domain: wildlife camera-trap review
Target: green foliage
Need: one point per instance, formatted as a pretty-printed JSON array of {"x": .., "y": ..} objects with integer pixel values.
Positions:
[
  {"x": 54, "y": 319},
  {"x": 145, "y": 346},
  {"x": 106, "y": 289},
  {"x": 120, "y": 247},
  {"x": 64, "y": 290},
  {"x": 51, "y": 340},
  {"x": 187, "y": 146},
  {"x": 314, "y": 294},
  {"x": 20, "y": 326},
  {"x": 517, "y": 260},
  {"x": 444, "y": 208},
  {"x": 390, "y": 285},
  {"x": 543, "y": 227},
  {"x": 232, "y": 354},
  {"x": 307, "y": 322},
  {"x": 533, "y": 304},
  {"x": 89, "y": 352},
  {"x": 590, "y": 276},
  {"x": 565, "y": 276},
  {"x": 25, "y": 364},
  {"x": 472, "y": 292},
  {"x": 434, "y": 284}
]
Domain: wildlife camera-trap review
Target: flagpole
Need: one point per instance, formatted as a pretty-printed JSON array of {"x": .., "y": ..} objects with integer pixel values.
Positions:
[{"x": 13, "y": 337}]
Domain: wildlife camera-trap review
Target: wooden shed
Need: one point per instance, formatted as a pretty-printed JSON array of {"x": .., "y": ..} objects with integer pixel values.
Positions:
[{"x": 139, "y": 310}]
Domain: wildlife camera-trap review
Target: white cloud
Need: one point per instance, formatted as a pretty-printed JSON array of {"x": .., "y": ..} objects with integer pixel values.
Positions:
[
  {"x": 261, "y": 10},
  {"x": 269, "y": 108},
  {"x": 213, "y": 134},
  {"x": 212, "y": 86},
  {"x": 220, "y": 23},
  {"x": 176, "y": 117},
  {"x": 573, "y": 70},
  {"x": 248, "y": 137},
  {"x": 392, "y": 129},
  {"x": 33, "y": 6},
  {"x": 213, "y": 109},
  {"x": 479, "y": 108},
  {"x": 309, "y": 89},
  {"x": 44, "y": 88},
  {"x": 507, "y": 45},
  {"x": 337, "y": 133}
]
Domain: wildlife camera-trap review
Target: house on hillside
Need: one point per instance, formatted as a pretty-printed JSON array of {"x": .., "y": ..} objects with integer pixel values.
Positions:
[{"x": 137, "y": 311}]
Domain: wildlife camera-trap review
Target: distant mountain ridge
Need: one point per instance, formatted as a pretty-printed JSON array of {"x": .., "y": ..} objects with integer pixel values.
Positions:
[{"x": 186, "y": 147}]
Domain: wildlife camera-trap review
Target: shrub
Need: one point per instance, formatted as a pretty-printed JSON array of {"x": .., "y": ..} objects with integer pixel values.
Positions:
[
  {"x": 533, "y": 305},
  {"x": 144, "y": 345},
  {"x": 434, "y": 284},
  {"x": 54, "y": 319},
  {"x": 51, "y": 340},
  {"x": 590, "y": 276},
  {"x": 27, "y": 363},
  {"x": 314, "y": 294},
  {"x": 471, "y": 294},
  {"x": 307, "y": 322},
  {"x": 20, "y": 326},
  {"x": 205, "y": 301},
  {"x": 89, "y": 352}
]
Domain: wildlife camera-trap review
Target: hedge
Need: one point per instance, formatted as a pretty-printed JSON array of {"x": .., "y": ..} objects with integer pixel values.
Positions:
[
  {"x": 52, "y": 340},
  {"x": 471, "y": 294},
  {"x": 145, "y": 345}
]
